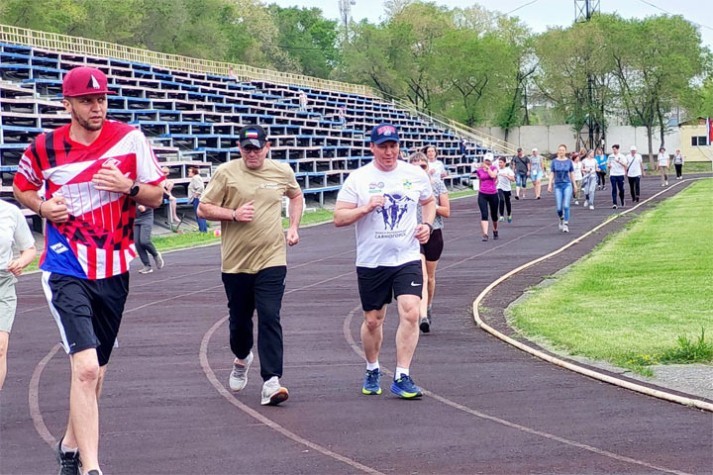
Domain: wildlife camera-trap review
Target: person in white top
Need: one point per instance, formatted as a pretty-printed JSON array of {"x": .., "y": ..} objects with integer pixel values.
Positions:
[
  {"x": 435, "y": 166},
  {"x": 617, "y": 170},
  {"x": 577, "y": 164},
  {"x": 662, "y": 165},
  {"x": 678, "y": 163},
  {"x": 634, "y": 172},
  {"x": 589, "y": 179},
  {"x": 381, "y": 199},
  {"x": 506, "y": 177},
  {"x": 14, "y": 232}
]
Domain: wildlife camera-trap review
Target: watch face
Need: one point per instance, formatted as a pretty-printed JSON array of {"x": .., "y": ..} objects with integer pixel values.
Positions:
[{"x": 134, "y": 190}]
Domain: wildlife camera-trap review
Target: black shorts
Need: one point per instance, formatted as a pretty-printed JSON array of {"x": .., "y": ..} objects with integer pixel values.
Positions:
[
  {"x": 379, "y": 285},
  {"x": 433, "y": 249},
  {"x": 88, "y": 312}
]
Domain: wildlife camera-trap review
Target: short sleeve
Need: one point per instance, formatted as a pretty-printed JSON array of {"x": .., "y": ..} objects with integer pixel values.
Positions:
[
  {"x": 147, "y": 168},
  {"x": 348, "y": 192},
  {"x": 214, "y": 192},
  {"x": 29, "y": 175},
  {"x": 23, "y": 237}
]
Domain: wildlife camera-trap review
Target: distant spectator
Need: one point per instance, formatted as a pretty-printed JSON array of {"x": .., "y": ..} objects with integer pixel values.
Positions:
[
  {"x": 522, "y": 170},
  {"x": 195, "y": 190},
  {"x": 663, "y": 163},
  {"x": 463, "y": 149},
  {"x": 232, "y": 75},
  {"x": 143, "y": 226},
  {"x": 342, "y": 116},
  {"x": 678, "y": 163},
  {"x": 14, "y": 232},
  {"x": 435, "y": 166},
  {"x": 303, "y": 101},
  {"x": 168, "y": 195}
]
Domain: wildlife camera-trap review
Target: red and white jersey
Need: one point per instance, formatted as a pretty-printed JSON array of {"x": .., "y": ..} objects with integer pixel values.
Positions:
[{"x": 97, "y": 241}]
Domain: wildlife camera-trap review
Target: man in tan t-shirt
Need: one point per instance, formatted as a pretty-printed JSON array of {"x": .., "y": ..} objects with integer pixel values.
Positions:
[{"x": 246, "y": 196}]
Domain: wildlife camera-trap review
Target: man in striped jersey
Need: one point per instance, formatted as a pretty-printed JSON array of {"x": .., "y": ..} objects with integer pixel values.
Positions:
[{"x": 94, "y": 172}]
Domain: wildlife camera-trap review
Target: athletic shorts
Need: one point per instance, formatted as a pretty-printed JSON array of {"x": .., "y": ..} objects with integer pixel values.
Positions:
[
  {"x": 379, "y": 285},
  {"x": 87, "y": 312},
  {"x": 433, "y": 249},
  {"x": 536, "y": 176},
  {"x": 521, "y": 179},
  {"x": 8, "y": 301}
]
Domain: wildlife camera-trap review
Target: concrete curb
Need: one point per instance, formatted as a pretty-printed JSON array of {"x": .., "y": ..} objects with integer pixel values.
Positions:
[{"x": 686, "y": 401}]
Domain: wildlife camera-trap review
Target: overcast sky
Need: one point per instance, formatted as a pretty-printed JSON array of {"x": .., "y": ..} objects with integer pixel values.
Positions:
[{"x": 538, "y": 14}]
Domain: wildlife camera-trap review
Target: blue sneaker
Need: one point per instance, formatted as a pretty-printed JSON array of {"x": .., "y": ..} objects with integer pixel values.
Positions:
[
  {"x": 405, "y": 388},
  {"x": 371, "y": 382}
]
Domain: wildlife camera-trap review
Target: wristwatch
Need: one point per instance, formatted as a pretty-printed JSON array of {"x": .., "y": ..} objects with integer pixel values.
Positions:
[
  {"x": 134, "y": 190},
  {"x": 430, "y": 227}
]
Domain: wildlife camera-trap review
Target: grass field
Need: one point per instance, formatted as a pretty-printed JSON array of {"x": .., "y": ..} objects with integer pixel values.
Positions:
[{"x": 644, "y": 297}]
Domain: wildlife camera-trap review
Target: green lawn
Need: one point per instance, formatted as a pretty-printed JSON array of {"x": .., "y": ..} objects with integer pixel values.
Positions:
[{"x": 643, "y": 297}]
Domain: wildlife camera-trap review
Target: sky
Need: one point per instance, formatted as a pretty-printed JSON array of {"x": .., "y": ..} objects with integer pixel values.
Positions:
[{"x": 537, "y": 14}]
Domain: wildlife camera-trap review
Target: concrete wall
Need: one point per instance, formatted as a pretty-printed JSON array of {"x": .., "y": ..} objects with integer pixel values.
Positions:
[{"x": 547, "y": 138}]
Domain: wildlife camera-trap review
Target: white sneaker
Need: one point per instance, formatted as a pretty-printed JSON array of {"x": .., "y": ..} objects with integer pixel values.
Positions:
[
  {"x": 239, "y": 375},
  {"x": 145, "y": 270},
  {"x": 159, "y": 261},
  {"x": 272, "y": 393},
  {"x": 586, "y": 203},
  {"x": 561, "y": 225},
  {"x": 666, "y": 183},
  {"x": 576, "y": 202},
  {"x": 565, "y": 228},
  {"x": 591, "y": 206}
]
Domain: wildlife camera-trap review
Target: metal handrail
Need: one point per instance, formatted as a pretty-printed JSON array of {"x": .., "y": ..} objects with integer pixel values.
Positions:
[{"x": 89, "y": 47}]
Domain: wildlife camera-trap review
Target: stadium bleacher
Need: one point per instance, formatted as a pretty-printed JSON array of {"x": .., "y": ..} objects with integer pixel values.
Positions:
[{"x": 193, "y": 119}]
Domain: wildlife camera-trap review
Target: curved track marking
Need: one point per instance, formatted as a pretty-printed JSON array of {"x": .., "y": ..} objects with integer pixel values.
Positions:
[
  {"x": 687, "y": 401},
  {"x": 34, "y": 398},
  {"x": 346, "y": 329}
]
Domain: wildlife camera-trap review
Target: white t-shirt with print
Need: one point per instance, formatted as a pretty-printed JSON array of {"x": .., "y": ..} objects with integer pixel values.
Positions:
[
  {"x": 439, "y": 169},
  {"x": 503, "y": 182},
  {"x": 385, "y": 237},
  {"x": 13, "y": 230},
  {"x": 617, "y": 164}
]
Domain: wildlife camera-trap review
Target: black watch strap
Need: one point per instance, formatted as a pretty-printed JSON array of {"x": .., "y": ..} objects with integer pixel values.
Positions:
[
  {"x": 430, "y": 226},
  {"x": 134, "y": 190}
]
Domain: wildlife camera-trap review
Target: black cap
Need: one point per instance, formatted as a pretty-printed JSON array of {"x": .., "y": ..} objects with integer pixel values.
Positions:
[{"x": 252, "y": 136}]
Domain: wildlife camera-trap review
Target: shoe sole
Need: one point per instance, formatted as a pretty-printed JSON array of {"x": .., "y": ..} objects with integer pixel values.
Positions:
[
  {"x": 425, "y": 327},
  {"x": 367, "y": 392},
  {"x": 280, "y": 396},
  {"x": 404, "y": 394}
]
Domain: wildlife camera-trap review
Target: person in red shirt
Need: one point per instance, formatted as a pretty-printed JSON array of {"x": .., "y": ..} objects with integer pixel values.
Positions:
[{"x": 94, "y": 172}]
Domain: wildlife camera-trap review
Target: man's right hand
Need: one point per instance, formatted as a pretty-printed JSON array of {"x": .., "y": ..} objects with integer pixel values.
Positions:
[
  {"x": 55, "y": 209},
  {"x": 375, "y": 201}
]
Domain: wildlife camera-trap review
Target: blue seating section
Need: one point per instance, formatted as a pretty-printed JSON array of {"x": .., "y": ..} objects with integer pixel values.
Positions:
[{"x": 193, "y": 118}]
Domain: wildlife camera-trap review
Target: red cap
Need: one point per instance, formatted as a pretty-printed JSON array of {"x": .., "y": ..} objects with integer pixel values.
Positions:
[{"x": 83, "y": 81}]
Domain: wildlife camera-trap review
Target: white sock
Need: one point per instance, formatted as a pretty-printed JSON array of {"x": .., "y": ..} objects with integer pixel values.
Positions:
[
  {"x": 400, "y": 372},
  {"x": 66, "y": 450},
  {"x": 372, "y": 366}
]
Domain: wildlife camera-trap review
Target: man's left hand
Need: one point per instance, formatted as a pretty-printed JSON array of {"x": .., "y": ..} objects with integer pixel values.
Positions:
[
  {"x": 293, "y": 237},
  {"x": 423, "y": 233}
]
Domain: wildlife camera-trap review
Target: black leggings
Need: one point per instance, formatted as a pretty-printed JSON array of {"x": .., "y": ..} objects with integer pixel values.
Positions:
[
  {"x": 504, "y": 199},
  {"x": 488, "y": 200},
  {"x": 679, "y": 169},
  {"x": 601, "y": 179},
  {"x": 635, "y": 187}
]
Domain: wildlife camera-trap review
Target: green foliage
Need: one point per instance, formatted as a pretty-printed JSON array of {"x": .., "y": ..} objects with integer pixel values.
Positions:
[{"x": 698, "y": 351}]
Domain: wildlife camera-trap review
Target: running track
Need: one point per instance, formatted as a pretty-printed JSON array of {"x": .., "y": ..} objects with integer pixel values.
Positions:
[{"x": 489, "y": 408}]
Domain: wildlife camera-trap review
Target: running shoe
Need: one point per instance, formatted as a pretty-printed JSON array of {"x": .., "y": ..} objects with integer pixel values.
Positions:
[
  {"x": 159, "y": 261},
  {"x": 576, "y": 202},
  {"x": 372, "y": 382},
  {"x": 591, "y": 206},
  {"x": 565, "y": 227},
  {"x": 495, "y": 236},
  {"x": 501, "y": 218},
  {"x": 94, "y": 472},
  {"x": 239, "y": 375},
  {"x": 405, "y": 388},
  {"x": 560, "y": 226},
  {"x": 425, "y": 324},
  {"x": 509, "y": 219},
  {"x": 667, "y": 183},
  {"x": 145, "y": 270},
  {"x": 69, "y": 463},
  {"x": 586, "y": 203},
  {"x": 272, "y": 393},
  {"x": 613, "y": 207},
  {"x": 484, "y": 238}
]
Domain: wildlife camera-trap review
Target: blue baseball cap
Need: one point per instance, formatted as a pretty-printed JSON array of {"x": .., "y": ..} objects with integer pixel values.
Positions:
[{"x": 384, "y": 133}]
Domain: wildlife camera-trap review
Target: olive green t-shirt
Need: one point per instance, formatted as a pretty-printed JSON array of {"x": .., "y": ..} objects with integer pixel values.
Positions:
[{"x": 248, "y": 247}]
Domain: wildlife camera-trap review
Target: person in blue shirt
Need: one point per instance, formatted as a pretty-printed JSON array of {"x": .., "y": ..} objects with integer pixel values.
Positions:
[
  {"x": 562, "y": 179},
  {"x": 601, "y": 158}
]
